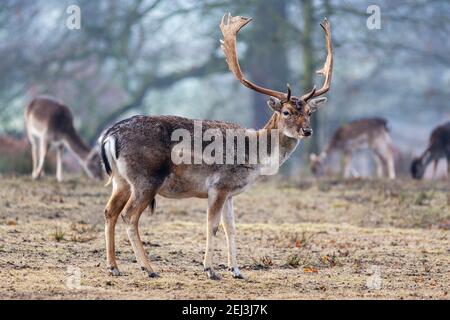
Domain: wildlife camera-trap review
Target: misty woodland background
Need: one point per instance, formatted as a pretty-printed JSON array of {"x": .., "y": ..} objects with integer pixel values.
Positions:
[{"x": 163, "y": 57}]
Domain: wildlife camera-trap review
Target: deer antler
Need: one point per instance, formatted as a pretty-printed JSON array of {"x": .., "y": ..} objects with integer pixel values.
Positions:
[
  {"x": 230, "y": 27},
  {"x": 327, "y": 69}
]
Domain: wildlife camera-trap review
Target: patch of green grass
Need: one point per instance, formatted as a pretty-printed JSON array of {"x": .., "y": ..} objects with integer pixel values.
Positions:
[
  {"x": 58, "y": 235},
  {"x": 422, "y": 198},
  {"x": 293, "y": 261}
]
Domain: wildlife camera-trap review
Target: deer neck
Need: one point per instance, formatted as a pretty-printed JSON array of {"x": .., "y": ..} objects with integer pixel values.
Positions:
[
  {"x": 427, "y": 157},
  {"x": 286, "y": 145},
  {"x": 77, "y": 145}
]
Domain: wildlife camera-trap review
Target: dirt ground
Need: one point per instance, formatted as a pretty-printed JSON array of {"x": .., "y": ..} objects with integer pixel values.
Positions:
[{"x": 296, "y": 240}]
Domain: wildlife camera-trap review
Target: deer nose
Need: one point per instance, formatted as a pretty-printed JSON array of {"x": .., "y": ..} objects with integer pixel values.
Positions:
[{"x": 307, "y": 131}]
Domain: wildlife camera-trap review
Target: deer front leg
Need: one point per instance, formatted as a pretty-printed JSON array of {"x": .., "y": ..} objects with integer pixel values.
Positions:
[
  {"x": 230, "y": 232},
  {"x": 391, "y": 166},
  {"x": 378, "y": 165},
  {"x": 216, "y": 201},
  {"x": 34, "y": 152},
  {"x": 435, "y": 165},
  {"x": 448, "y": 167},
  {"x": 43, "y": 148},
  {"x": 347, "y": 165},
  {"x": 59, "y": 153}
]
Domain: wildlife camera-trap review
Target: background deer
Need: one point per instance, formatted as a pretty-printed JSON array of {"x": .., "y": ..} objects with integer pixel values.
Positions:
[
  {"x": 137, "y": 155},
  {"x": 438, "y": 147},
  {"x": 371, "y": 133},
  {"x": 50, "y": 122}
]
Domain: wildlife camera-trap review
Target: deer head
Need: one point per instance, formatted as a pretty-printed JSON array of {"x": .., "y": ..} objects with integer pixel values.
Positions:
[
  {"x": 417, "y": 168},
  {"x": 293, "y": 113},
  {"x": 317, "y": 164},
  {"x": 93, "y": 165}
]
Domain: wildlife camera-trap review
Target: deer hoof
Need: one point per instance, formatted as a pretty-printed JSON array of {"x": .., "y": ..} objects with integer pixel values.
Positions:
[
  {"x": 151, "y": 274},
  {"x": 211, "y": 274},
  {"x": 236, "y": 273},
  {"x": 114, "y": 271}
]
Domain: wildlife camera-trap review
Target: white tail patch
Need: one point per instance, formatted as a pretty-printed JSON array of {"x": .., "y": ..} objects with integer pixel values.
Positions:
[{"x": 110, "y": 152}]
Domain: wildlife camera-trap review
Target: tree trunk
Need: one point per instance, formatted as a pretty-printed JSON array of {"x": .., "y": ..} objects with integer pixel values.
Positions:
[
  {"x": 267, "y": 59},
  {"x": 309, "y": 67}
]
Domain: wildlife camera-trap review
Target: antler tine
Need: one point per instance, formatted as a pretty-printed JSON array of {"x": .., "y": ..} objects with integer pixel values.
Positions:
[
  {"x": 308, "y": 95},
  {"x": 327, "y": 69},
  {"x": 230, "y": 26},
  {"x": 289, "y": 92}
]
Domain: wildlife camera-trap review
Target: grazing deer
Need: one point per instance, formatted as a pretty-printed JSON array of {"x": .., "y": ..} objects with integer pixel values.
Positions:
[
  {"x": 137, "y": 155},
  {"x": 438, "y": 147},
  {"x": 371, "y": 133},
  {"x": 50, "y": 122}
]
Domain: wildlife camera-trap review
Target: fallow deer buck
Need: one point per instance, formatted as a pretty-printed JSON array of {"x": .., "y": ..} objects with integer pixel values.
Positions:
[
  {"x": 48, "y": 122},
  {"x": 438, "y": 148},
  {"x": 371, "y": 134},
  {"x": 137, "y": 155}
]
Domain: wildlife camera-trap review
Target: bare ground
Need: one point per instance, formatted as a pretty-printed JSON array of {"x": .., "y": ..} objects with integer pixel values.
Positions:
[{"x": 296, "y": 240}]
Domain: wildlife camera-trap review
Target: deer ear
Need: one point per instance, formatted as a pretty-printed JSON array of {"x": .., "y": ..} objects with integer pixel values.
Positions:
[
  {"x": 313, "y": 157},
  {"x": 274, "y": 104},
  {"x": 315, "y": 104}
]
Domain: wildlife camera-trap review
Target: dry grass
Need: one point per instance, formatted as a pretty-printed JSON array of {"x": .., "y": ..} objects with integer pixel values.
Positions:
[{"x": 319, "y": 240}]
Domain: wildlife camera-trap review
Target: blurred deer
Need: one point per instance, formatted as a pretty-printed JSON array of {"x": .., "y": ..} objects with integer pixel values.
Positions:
[
  {"x": 370, "y": 133},
  {"x": 137, "y": 155},
  {"x": 50, "y": 122},
  {"x": 438, "y": 147}
]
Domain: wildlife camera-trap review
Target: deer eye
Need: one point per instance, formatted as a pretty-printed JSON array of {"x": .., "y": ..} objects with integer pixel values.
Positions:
[{"x": 286, "y": 113}]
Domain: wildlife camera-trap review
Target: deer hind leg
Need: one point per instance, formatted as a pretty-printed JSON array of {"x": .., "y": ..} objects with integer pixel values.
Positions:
[
  {"x": 216, "y": 201},
  {"x": 43, "y": 148},
  {"x": 230, "y": 232},
  {"x": 140, "y": 198},
  {"x": 115, "y": 205},
  {"x": 59, "y": 154},
  {"x": 34, "y": 153}
]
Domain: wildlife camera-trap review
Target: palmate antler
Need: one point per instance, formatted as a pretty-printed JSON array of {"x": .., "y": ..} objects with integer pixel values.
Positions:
[
  {"x": 327, "y": 69},
  {"x": 230, "y": 26}
]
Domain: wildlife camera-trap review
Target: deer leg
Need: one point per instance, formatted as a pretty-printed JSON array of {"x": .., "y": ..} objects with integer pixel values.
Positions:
[
  {"x": 140, "y": 198},
  {"x": 34, "y": 153},
  {"x": 230, "y": 233},
  {"x": 117, "y": 201},
  {"x": 347, "y": 164},
  {"x": 435, "y": 165},
  {"x": 378, "y": 165},
  {"x": 448, "y": 167},
  {"x": 216, "y": 201},
  {"x": 59, "y": 154},
  {"x": 390, "y": 165},
  {"x": 384, "y": 150},
  {"x": 43, "y": 148}
]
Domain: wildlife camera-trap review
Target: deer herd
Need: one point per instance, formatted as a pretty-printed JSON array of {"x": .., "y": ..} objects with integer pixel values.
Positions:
[{"x": 137, "y": 152}]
